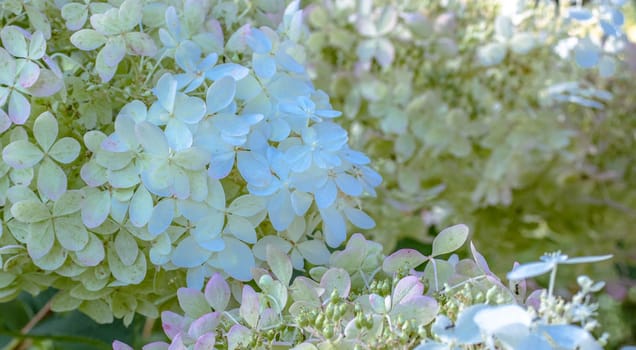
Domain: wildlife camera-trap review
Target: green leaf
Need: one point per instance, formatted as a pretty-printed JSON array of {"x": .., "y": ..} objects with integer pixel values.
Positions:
[
  {"x": 65, "y": 150},
  {"x": 22, "y": 154},
  {"x": 70, "y": 202},
  {"x": 41, "y": 239},
  {"x": 52, "y": 181},
  {"x": 88, "y": 39},
  {"x": 98, "y": 310},
  {"x": 193, "y": 302},
  {"x": 450, "y": 239},
  {"x": 29, "y": 211},
  {"x": 280, "y": 264},
  {"x": 45, "y": 130},
  {"x": 126, "y": 247},
  {"x": 132, "y": 274}
]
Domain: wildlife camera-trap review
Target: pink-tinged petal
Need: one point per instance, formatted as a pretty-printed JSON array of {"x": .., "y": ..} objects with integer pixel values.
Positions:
[
  {"x": 5, "y": 122},
  {"x": 217, "y": 292},
  {"x": 114, "y": 51},
  {"x": 28, "y": 75},
  {"x": 205, "y": 342},
  {"x": 204, "y": 324},
  {"x": 409, "y": 258},
  {"x": 140, "y": 44},
  {"x": 250, "y": 306},
  {"x": 173, "y": 323},
  {"x": 19, "y": 108},
  {"x": 407, "y": 288},
  {"x": 117, "y": 345},
  {"x": 158, "y": 345},
  {"x": 47, "y": 84}
]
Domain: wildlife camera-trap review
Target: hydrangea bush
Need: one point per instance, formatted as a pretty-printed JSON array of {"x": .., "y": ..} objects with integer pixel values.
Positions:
[
  {"x": 493, "y": 113},
  {"x": 362, "y": 299},
  {"x": 159, "y": 151},
  {"x": 147, "y": 145}
]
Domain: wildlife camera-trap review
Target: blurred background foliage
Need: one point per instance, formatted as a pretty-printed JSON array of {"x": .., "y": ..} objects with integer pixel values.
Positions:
[
  {"x": 460, "y": 139},
  {"x": 457, "y": 142}
]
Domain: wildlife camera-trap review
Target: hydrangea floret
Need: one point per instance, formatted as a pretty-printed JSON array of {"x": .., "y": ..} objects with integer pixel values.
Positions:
[{"x": 392, "y": 305}]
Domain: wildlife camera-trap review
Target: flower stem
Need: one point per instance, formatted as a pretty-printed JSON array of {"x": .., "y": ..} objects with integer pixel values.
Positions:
[{"x": 552, "y": 281}]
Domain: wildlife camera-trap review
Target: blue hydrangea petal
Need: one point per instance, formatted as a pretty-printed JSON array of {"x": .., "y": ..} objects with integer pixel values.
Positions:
[
  {"x": 141, "y": 207},
  {"x": 166, "y": 91},
  {"x": 359, "y": 218},
  {"x": 220, "y": 94},
  {"x": 178, "y": 135},
  {"x": 301, "y": 201},
  {"x": 280, "y": 211},
  {"x": 187, "y": 55},
  {"x": 258, "y": 41},
  {"x": 233, "y": 70},
  {"x": 152, "y": 138},
  {"x": 254, "y": 168},
  {"x": 189, "y": 254},
  {"x": 326, "y": 195},
  {"x": 334, "y": 226},
  {"x": 162, "y": 216},
  {"x": 349, "y": 184},
  {"x": 236, "y": 260},
  {"x": 264, "y": 66}
]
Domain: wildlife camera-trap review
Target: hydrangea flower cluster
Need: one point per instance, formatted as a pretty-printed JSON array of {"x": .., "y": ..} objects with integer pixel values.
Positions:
[
  {"x": 486, "y": 112},
  {"x": 176, "y": 141},
  {"x": 362, "y": 299}
]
